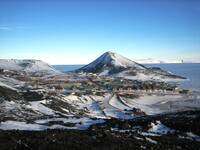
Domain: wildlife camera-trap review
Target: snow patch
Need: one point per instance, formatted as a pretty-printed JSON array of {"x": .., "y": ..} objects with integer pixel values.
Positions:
[
  {"x": 38, "y": 106},
  {"x": 7, "y": 86},
  {"x": 159, "y": 128},
  {"x": 16, "y": 125}
]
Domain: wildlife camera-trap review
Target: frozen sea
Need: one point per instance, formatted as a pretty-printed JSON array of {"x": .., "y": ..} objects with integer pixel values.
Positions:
[{"x": 190, "y": 71}]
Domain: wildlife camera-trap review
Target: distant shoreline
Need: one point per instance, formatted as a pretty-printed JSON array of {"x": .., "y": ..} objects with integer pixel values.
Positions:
[{"x": 141, "y": 63}]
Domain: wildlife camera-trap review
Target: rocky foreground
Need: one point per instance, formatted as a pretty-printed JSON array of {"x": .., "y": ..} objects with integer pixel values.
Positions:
[{"x": 169, "y": 131}]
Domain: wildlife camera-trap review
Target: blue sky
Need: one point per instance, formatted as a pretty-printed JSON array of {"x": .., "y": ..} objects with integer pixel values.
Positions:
[{"x": 78, "y": 31}]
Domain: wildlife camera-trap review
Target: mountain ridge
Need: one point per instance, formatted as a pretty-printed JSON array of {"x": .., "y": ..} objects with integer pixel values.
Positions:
[{"x": 27, "y": 65}]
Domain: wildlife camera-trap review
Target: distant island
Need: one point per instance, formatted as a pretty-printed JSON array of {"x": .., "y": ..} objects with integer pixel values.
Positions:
[{"x": 155, "y": 61}]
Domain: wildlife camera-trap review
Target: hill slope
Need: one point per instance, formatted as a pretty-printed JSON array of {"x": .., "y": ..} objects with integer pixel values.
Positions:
[{"x": 29, "y": 66}]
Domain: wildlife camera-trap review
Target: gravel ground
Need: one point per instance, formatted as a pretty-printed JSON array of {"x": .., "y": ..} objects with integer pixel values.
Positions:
[{"x": 127, "y": 135}]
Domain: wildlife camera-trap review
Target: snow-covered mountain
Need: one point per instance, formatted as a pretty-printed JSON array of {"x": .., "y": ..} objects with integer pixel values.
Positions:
[
  {"x": 155, "y": 61},
  {"x": 112, "y": 64},
  {"x": 170, "y": 61},
  {"x": 29, "y": 66}
]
